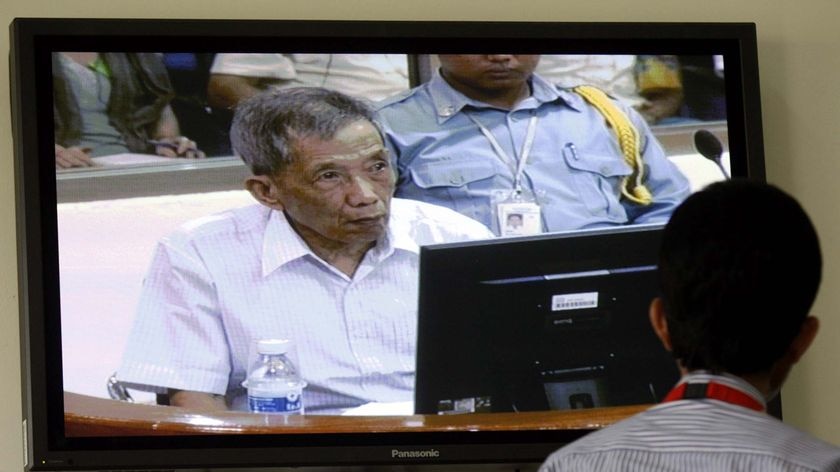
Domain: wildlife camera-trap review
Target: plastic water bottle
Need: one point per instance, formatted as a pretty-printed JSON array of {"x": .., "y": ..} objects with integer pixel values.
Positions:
[{"x": 273, "y": 383}]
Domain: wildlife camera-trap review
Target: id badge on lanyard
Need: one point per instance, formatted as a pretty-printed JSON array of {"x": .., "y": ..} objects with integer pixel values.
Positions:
[
  {"x": 517, "y": 210},
  {"x": 518, "y": 213}
]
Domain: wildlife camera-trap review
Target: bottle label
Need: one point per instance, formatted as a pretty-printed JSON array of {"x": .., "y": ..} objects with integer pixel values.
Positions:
[{"x": 289, "y": 403}]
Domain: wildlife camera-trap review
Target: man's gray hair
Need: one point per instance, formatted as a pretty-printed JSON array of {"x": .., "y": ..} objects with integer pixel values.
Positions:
[{"x": 267, "y": 127}]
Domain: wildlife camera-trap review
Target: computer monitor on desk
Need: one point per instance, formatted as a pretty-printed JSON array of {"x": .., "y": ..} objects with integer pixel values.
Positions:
[{"x": 545, "y": 323}]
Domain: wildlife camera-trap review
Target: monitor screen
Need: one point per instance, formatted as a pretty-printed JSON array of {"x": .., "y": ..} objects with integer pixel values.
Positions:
[
  {"x": 461, "y": 353},
  {"x": 504, "y": 328}
]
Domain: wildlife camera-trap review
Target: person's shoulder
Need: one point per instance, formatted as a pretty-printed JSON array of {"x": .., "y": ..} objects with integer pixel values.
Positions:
[
  {"x": 222, "y": 225},
  {"x": 620, "y": 436},
  {"x": 763, "y": 435},
  {"x": 642, "y": 431},
  {"x": 590, "y": 95},
  {"x": 567, "y": 457},
  {"x": 417, "y": 209},
  {"x": 149, "y": 58},
  {"x": 594, "y": 102},
  {"x": 801, "y": 447},
  {"x": 702, "y": 430},
  {"x": 269, "y": 65},
  {"x": 397, "y": 101},
  {"x": 432, "y": 224},
  {"x": 599, "y": 105}
]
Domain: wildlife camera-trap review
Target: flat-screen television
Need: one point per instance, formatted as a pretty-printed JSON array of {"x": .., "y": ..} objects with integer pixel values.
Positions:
[{"x": 512, "y": 345}]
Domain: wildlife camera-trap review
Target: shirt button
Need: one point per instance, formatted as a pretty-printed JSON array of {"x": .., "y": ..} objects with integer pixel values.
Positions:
[
  {"x": 456, "y": 180},
  {"x": 446, "y": 111}
]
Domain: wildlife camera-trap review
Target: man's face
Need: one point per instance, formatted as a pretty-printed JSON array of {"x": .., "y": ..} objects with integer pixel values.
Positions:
[
  {"x": 338, "y": 192},
  {"x": 488, "y": 72}
]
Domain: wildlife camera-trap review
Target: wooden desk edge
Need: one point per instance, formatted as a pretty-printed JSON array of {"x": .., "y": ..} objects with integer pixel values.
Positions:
[{"x": 91, "y": 416}]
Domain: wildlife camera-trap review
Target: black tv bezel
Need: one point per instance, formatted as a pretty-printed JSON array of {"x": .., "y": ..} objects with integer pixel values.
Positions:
[{"x": 48, "y": 448}]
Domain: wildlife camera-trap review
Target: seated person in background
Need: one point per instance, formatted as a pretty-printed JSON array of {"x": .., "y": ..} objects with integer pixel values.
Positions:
[
  {"x": 659, "y": 82},
  {"x": 486, "y": 135},
  {"x": 327, "y": 259},
  {"x": 189, "y": 74},
  {"x": 112, "y": 103},
  {"x": 234, "y": 77},
  {"x": 739, "y": 268},
  {"x": 705, "y": 87},
  {"x": 649, "y": 84}
]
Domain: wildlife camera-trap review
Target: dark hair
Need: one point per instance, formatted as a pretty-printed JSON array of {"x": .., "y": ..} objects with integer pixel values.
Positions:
[
  {"x": 739, "y": 269},
  {"x": 267, "y": 126}
]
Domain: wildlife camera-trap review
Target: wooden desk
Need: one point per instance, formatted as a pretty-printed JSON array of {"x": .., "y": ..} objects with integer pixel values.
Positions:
[{"x": 91, "y": 416}]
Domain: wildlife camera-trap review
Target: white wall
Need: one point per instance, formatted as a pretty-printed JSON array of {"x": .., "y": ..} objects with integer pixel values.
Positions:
[{"x": 799, "y": 62}]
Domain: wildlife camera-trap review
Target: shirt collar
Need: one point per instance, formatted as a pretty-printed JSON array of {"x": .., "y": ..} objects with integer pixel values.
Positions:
[
  {"x": 733, "y": 381},
  {"x": 399, "y": 236},
  {"x": 281, "y": 244},
  {"x": 448, "y": 101}
]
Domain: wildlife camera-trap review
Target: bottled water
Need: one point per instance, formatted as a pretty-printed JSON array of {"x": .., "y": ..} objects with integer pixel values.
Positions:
[{"x": 273, "y": 383}]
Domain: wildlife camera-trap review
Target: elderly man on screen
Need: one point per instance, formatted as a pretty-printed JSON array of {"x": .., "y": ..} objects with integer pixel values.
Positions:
[
  {"x": 739, "y": 268},
  {"x": 327, "y": 259}
]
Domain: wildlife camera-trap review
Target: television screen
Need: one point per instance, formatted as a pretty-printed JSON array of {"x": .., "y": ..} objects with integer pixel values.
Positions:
[{"x": 525, "y": 194}]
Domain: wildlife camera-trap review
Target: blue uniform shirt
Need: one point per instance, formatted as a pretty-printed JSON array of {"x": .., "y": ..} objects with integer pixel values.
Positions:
[{"x": 574, "y": 169}]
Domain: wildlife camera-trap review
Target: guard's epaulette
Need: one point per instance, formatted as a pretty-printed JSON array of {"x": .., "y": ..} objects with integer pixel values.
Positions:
[{"x": 632, "y": 186}]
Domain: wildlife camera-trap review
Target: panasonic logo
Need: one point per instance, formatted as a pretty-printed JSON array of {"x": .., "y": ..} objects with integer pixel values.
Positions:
[{"x": 423, "y": 454}]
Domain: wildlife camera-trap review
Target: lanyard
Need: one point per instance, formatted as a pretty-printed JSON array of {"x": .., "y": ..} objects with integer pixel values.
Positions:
[
  {"x": 516, "y": 166},
  {"x": 713, "y": 391}
]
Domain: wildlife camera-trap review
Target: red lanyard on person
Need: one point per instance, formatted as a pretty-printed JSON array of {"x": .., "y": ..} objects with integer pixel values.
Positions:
[{"x": 713, "y": 391}]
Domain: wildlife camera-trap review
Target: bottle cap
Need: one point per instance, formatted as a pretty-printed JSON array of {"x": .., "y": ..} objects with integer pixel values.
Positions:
[{"x": 273, "y": 346}]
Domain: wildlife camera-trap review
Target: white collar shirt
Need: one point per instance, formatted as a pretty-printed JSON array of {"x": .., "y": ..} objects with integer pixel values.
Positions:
[
  {"x": 698, "y": 434},
  {"x": 225, "y": 281}
]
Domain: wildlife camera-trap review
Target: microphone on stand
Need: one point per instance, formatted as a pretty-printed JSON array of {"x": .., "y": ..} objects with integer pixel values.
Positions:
[{"x": 709, "y": 146}]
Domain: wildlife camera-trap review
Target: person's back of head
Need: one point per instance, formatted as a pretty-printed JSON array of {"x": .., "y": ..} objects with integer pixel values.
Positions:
[{"x": 740, "y": 265}]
